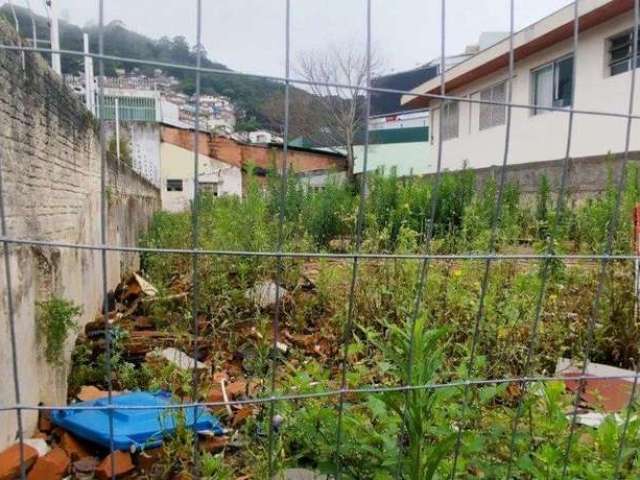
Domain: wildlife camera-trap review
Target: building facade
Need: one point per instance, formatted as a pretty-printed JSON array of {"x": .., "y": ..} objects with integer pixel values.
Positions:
[
  {"x": 398, "y": 143},
  {"x": 177, "y": 169},
  {"x": 226, "y": 164},
  {"x": 473, "y": 134}
]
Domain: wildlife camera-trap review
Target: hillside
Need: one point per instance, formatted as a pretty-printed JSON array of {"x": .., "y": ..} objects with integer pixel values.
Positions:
[{"x": 249, "y": 94}]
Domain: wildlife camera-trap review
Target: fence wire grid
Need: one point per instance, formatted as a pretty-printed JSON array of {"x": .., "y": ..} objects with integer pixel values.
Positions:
[{"x": 488, "y": 258}]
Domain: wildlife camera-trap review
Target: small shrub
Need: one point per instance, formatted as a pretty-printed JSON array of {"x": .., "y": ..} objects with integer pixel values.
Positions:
[
  {"x": 212, "y": 467},
  {"x": 56, "y": 318}
]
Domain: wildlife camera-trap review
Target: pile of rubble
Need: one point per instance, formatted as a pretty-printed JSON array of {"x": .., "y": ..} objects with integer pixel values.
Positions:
[{"x": 54, "y": 454}]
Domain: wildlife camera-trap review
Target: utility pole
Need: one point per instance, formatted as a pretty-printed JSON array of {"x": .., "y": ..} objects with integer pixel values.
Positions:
[
  {"x": 89, "y": 96},
  {"x": 55, "y": 36},
  {"x": 117, "y": 116}
]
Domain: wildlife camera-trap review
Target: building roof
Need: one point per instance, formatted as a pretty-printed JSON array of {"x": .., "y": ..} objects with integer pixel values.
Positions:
[{"x": 544, "y": 33}]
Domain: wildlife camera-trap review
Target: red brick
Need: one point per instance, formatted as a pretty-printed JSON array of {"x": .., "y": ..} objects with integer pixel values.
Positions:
[
  {"x": 53, "y": 466},
  {"x": 241, "y": 415},
  {"x": 123, "y": 465},
  {"x": 236, "y": 389},
  {"x": 214, "y": 444},
  {"x": 73, "y": 447},
  {"x": 10, "y": 460}
]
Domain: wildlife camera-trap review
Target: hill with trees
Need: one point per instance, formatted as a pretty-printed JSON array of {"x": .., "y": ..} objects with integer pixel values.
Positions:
[{"x": 248, "y": 94}]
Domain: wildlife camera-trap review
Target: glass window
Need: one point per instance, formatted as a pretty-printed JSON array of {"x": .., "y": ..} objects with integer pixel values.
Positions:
[
  {"x": 563, "y": 77},
  {"x": 174, "y": 185},
  {"x": 553, "y": 85},
  {"x": 621, "y": 53},
  {"x": 209, "y": 188},
  {"x": 449, "y": 120},
  {"x": 492, "y": 115}
]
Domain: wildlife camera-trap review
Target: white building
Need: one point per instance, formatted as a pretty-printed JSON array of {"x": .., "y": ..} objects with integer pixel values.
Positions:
[
  {"x": 261, "y": 136},
  {"x": 397, "y": 143},
  {"x": 474, "y": 134}
]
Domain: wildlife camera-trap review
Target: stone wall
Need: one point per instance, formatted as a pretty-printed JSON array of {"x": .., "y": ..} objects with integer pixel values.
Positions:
[
  {"x": 50, "y": 165},
  {"x": 586, "y": 177}
]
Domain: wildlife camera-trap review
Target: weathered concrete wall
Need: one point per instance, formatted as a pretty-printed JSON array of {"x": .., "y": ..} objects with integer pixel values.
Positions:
[
  {"x": 51, "y": 183},
  {"x": 586, "y": 177},
  {"x": 144, "y": 141}
]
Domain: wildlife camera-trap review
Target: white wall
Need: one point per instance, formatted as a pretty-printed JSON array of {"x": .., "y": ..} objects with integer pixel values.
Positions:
[
  {"x": 320, "y": 179},
  {"x": 414, "y": 158},
  {"x": 177, "y": 163},
  {"x": 544, "y": 136}
]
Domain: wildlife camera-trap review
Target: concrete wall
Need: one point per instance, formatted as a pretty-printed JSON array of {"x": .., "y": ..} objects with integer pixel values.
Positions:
[
  {"x": 144, "y": 140},
  {"x": 414, "y": 158},
  {"x": 543, "y": 137},
  {"x": 586, "y": 177},
  {"x": 51, "y": 183}
]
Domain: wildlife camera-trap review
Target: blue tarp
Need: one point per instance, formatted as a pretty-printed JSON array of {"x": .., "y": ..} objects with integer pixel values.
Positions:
[{"x": 141, "y": 428}]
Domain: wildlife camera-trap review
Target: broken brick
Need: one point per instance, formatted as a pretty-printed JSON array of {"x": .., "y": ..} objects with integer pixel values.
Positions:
[
  {"x": 89, "y": 392},
  {"x": 73, "y": 447},
  {"x": 53, "y": 466},
  {"x": 214, "y": 444},
  {"x": 241, "y": 415},
  {"x": 611, "y": 395},
  {"x": 216, "y": 395},
  {"x": 121, "y": 462},
  {"x": 10, "y": 460},
  {"x": 236, "y": 389}
]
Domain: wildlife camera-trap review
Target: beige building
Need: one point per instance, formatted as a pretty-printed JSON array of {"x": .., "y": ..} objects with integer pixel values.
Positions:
[
  {"x": 177, "y": 171},
  {"x": 177, "y": 174},
  {"x": 474, "y": 134}
]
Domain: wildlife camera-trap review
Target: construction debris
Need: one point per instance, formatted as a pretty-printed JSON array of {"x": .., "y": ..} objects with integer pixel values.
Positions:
[
  {"x": 132, "y": 428},
  {"x": 121, "y": 462},
  {"x": 85, "y": 466},
  {"x": 73, "y": 447},
  {"x": 301, "y": 474},
  {"x": 266, "y": 294},
  {"x": 604, "y": 394},
  {"x": 148, "y": 289},
  {"x": 179, "y": 359},
  {"x": 39, "y": 444},
  {"x": 10, "y": 460},
  {"x": 53, "y": 466},
  {"x": 89, "y": 392}
]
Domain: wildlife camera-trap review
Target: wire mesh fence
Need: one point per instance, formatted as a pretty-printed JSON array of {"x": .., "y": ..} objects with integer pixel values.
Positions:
[{"x": 417, "y": 390}]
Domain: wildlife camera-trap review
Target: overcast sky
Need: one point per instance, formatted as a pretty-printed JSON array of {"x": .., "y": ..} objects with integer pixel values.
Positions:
[{"x": 248, "y": 35}]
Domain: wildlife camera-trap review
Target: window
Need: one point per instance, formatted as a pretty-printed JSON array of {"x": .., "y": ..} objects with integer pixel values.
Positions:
[
  {"x": 208, "y": 187},
  {"x": 174, "y": 185},
  {"x": 449, "y": 120},
  {"x": 493, "y": 115},
  {"x": 621, "y": 53},
  {"x": 553, "y": 84}
]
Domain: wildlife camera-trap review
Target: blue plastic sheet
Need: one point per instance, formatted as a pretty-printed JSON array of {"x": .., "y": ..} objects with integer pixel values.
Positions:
[{"x": 139, "y": 428}]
